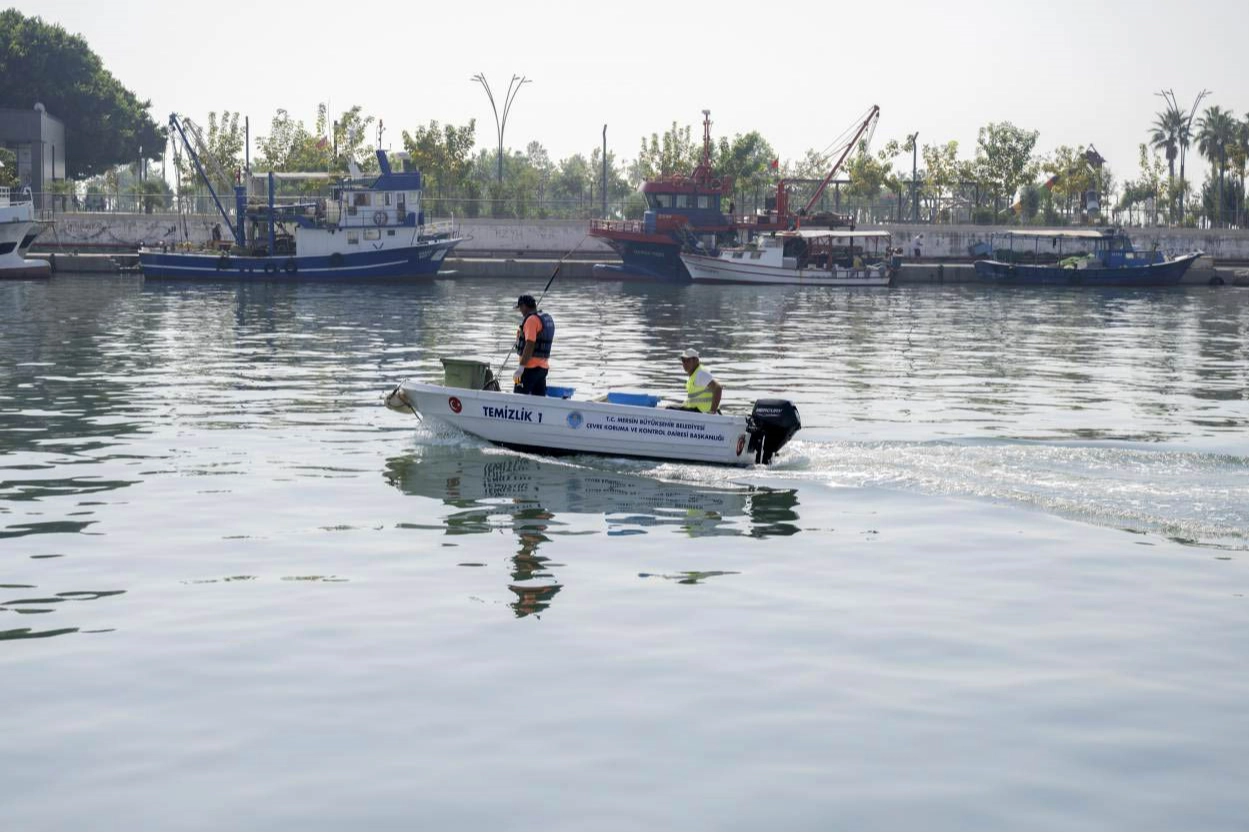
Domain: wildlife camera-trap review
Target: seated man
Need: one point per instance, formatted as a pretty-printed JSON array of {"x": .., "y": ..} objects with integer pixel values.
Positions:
[{"x": 702, "y": 391}]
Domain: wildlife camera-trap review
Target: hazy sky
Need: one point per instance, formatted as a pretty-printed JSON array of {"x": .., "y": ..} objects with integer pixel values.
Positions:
[{"x": 1078, "y": 72}]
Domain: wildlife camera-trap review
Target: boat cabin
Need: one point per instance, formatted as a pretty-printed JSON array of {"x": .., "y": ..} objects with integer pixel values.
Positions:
[
  {"x": 1111, "y": 248},
  {"x": 825, "y": 249}
]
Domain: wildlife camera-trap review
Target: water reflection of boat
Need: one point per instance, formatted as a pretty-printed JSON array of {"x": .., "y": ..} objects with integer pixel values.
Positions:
[{"x": 482, "y": 486}]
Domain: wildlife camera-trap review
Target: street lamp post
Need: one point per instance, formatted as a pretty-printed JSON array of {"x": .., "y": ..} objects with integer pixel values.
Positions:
[
  {"x": 1169, "y": 97},
  {"x": 914, "y": 139},
  {"x": 500, "y": 123}
]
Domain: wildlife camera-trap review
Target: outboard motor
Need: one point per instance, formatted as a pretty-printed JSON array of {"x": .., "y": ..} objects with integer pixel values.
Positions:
[{"x": 771, "y": 424}]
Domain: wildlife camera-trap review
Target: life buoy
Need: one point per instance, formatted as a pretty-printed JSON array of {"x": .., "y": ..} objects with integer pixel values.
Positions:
[
  {"x": 715, "y": 183},
  {"x": 379, "y": 218},
  {"x": 271, "y": 268},
  {"x": 290, "y": 267}
]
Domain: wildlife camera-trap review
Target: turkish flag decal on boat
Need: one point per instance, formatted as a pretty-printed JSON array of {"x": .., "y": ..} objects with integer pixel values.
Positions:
[{"x": 457, "y": 406}]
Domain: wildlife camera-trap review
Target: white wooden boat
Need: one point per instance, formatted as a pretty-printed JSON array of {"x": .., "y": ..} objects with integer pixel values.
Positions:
[{"x": 810, "y": 257}]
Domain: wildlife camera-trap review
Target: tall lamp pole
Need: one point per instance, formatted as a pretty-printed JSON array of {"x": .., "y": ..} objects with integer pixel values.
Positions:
[
  {"x": 604, "y": 172},
  {"x": 1169, "y": 97},
  {"x": 500, "y": 123},
  {"x": 914, "y": 139}
]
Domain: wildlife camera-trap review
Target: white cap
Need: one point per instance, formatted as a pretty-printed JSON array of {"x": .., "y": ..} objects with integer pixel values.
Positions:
[{"x": 690, "y": 353}]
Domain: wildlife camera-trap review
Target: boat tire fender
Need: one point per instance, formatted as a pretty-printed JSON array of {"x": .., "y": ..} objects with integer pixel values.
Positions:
[
  {"x": 1216, "y": 281},
  {"x": 379, "y": 218},
  {"x": 290, "y": 267},
  {"x": 336, "y": 260},
  {"x": 223, "y": 262}
]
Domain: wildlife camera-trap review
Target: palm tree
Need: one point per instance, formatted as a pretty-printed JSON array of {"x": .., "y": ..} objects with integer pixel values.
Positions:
[
  {"x": 1216, "y": 132},
  {"x": 1242, "y": 160},
  {"x": 1165, "y": 135}
]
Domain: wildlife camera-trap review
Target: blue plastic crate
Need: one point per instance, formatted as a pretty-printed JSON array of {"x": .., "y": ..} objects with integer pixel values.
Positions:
[
  {"x": 560, "y": 393},
  {"x": 644, "y": 400}
]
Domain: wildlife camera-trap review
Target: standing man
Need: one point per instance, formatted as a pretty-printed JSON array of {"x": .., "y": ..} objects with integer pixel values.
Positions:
[
  {"x": 918, "y": 244},
  {"x": 533, "y": 344},
  {"x": 702, "y": 391}
]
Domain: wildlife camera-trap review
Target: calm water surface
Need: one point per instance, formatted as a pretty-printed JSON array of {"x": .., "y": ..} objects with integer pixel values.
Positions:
[{"x": 998, "y": 581}]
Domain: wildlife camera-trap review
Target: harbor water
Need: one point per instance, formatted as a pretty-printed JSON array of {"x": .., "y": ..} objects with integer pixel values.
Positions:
[{"x": 1000, "y": 580}]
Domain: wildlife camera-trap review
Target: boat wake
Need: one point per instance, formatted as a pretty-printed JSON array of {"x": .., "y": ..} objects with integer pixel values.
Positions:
[{"x": 1190, "y": 497}]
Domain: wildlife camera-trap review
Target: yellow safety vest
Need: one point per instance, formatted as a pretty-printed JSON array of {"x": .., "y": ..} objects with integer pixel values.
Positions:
[{"x": 696, "y": 397}]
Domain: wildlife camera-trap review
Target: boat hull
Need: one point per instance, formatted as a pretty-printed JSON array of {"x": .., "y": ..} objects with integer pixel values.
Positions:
[
  {"x": 422, "y": 260},
  {"x": 1168, "y": 273},
  {"x": 652, "y": 260},
  {"x": 705, "y": 269},
  {"x": 546, "y": 425},
  {"x": 16, "y": 235}
]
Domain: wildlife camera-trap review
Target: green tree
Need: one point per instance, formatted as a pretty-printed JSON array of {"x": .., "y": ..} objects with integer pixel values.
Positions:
[
  {"x": 1238, "y": 162},
  {"x": 350, "y": 139},
  {"x": 571, "y": 180},
  {"x": 1004, "y": 159},
  {"x": 109, "y": 124},
  {"x": 618, "y": 188},
  {"x": 943, "y": 173},
  {"x": 8, "y": 168},
  {"x": 1072, "y": 175},
  {"x": 1150, "y": 185},
  {"x": 444, "y": 156},
  {"x": 746, "y": 159},
  {"x": 151, "y": 195},
  {"x": 1168, "y": 132},
  {"x": 1030, "y": 201},
  {"x": 673, "y": 153},
  {"x": 1217, "y": 130},
  {"x": 289, "y": 146}
]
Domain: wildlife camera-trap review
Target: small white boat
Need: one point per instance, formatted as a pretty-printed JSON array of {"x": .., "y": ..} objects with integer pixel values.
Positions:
[
  {"x": 18, "y": 229},
  {"x": 809, "y": 257},
  {"x": 550, "y": 425}
]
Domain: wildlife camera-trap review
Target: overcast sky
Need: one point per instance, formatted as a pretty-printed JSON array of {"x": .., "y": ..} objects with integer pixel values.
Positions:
[{"x": 1078, "y": 72}]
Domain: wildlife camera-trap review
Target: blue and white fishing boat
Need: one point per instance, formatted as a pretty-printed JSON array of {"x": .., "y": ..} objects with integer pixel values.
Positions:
[
  {"x": 371, "y": 228},
  {"x": 1079, "y": 257}
]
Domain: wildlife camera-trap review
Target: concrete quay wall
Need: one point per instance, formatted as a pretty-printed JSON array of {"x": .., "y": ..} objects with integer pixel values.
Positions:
[{"x": 89, "y": 231}]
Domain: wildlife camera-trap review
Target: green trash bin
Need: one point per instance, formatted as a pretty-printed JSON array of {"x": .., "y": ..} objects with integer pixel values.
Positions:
[{"x": 466, "y": 373}]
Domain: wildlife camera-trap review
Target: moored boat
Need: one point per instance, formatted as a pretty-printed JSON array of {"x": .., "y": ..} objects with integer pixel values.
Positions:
[
  {"x": 372, "y": 228},
  {"x": 689, "y": 214},
  {"x": 807, "y": 257},
  {"x": 1079, "y": 257},
  {"x": 681, "y": 211},
  {"x": 18, "y": 229}
]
